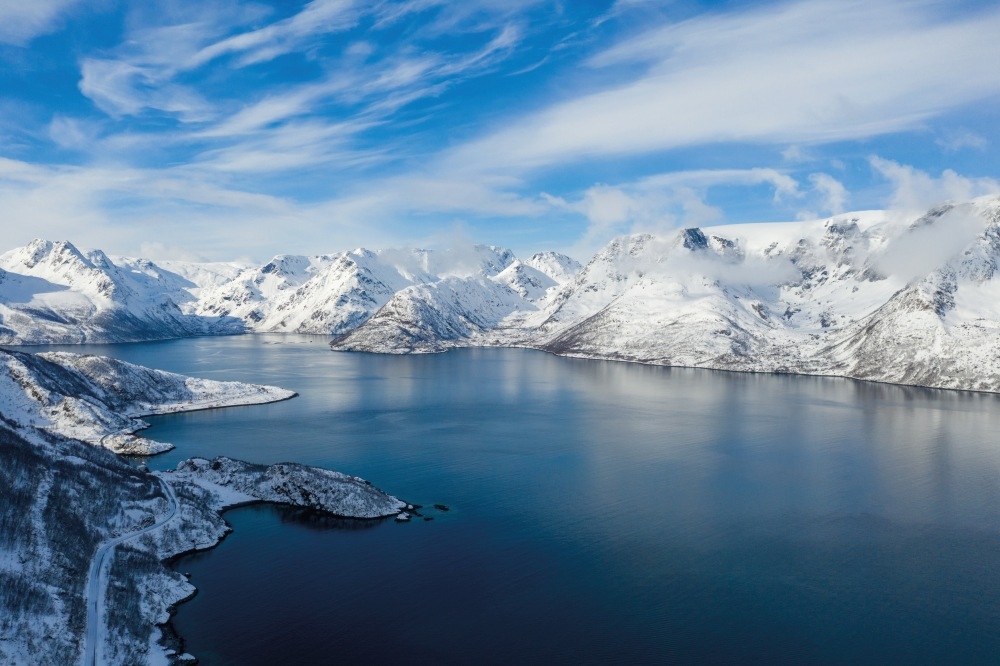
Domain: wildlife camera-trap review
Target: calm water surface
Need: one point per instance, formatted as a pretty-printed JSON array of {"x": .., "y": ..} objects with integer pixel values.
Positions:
[{"x": 600, "y": 513}]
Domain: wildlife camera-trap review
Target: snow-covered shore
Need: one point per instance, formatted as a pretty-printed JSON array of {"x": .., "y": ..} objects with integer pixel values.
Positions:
[
  {"x": 101, "y": 400},
  {"x": 74, "y": 512}
]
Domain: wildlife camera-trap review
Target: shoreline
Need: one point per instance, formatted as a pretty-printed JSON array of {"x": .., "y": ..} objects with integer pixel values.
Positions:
[
  {"x": 450, "y": 345},
  {"x": 657, "y": 364},
  {"x": 210, "y": 489},
  {"x": 170, "y": 637}
]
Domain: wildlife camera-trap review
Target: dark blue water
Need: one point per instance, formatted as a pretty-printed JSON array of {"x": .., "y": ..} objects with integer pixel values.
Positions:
[{"x": 600, "y": 513}]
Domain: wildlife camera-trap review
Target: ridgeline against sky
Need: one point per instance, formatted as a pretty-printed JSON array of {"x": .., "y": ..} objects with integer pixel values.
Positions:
[{"x": 224, "y": 129}]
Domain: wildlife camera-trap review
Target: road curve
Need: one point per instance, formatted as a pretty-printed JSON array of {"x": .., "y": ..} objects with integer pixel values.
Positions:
[{"x": 94, "y": 637}]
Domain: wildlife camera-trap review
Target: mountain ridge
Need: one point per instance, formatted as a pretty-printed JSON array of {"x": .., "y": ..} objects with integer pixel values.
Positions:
[{"x": 873, "y": 295}]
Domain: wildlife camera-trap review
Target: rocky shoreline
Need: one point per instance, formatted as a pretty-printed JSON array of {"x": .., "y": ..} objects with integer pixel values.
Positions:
[{"x": 85, "y": 535}]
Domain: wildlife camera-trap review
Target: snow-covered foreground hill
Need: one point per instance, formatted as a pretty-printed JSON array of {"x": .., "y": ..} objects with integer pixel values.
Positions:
[
  {"x": 904, "y": 298},
  {"x": 99, "y": 400},
  {"x": 64, "y": 499}
]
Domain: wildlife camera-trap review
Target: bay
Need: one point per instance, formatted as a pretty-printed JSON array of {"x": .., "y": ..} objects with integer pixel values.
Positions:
[{"x": 599, "y": 512}]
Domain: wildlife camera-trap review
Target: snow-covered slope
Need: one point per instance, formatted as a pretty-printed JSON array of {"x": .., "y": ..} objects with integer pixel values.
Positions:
[
  {"x": 557, "y": 266},
  {"x": 79, "y": 526},
  {"x": 528, "y": 282},
  {"x": 53, "y": 293},
  {"x": 238, "y": 482},
  {"x": 872, "y": 295},
  {"x": 859, "y": 295},
  {"x": 433, "y": 317},
  {"x": 99, "y": 400}
]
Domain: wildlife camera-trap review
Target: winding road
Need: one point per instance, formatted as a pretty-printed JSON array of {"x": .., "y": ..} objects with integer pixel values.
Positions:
[{"x": 96, "y": 628}]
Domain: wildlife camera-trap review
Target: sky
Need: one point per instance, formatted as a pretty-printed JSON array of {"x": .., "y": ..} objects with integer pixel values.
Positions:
[{"x": 223, "y": 130}]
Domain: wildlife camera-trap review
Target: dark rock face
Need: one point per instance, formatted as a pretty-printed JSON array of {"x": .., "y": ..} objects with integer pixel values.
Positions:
[{"x": 694, "y": 239}]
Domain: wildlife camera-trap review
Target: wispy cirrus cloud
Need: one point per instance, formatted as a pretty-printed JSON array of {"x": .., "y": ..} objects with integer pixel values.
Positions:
[
  {"x": 789, "y": 73},
  {"x": 318, "y": 17},
  {"x": 393, "y": 118},
  {"x": 285, "y": 125},
  {"x": 122, "y": 89},
  {"x": 446, "y": 16},
  {"x": 21, "y": 22},
  {"x": 954, "y": 140}
]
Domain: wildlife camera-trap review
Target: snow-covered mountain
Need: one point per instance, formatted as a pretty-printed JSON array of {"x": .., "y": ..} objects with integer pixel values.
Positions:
[
  {"x": 558, "y": 267},
  {"x": 52, "y": 292},
  {"x": 435, "y": 316},
  {"x": 872, "y": 295},
  {"x": 862, "y": 295}
]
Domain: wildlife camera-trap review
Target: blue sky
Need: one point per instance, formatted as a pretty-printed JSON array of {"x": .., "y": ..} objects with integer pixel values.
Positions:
[{"x": 227, "y": 129}]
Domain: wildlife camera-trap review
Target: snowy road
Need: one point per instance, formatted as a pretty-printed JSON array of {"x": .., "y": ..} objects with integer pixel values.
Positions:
[{"x": 94, "y": 638}]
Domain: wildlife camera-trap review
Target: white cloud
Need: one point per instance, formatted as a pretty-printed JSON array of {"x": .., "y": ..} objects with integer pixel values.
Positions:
[
  {"x": 789, "y": 75},
  {"x": 71, "y": 133},
  {"x": 22, "y": 21},
  {"x": 469, "y": 16},
  {"x": 783, "y": 184},
  {"x": 284, "y": 36},
  {"x": 157, "y": 251},
  {"x": 122, "y": 89},
  {"x": 833, "y": 194},
  {"x": 663, "y": 202},
  {"x": 960, "y": 139},
  {"x": 915, "y": 191},
  {"x": 805, "y": 72},
  {"x": 280, "y": 127},
  {"x": 794, "y": 153},
  {"x": 431, "y": 194},
  {"x": 916, "y": 251},
  {"x": 117, "y": 209}
]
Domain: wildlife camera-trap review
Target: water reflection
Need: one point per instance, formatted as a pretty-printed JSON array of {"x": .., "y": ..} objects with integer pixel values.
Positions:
[
  {"x": 601, "y": 511},
  {"x": 318, "y": 520}
]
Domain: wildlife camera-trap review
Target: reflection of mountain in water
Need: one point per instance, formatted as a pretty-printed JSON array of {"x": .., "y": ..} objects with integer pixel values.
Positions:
[{"x": 319, "y": 520}]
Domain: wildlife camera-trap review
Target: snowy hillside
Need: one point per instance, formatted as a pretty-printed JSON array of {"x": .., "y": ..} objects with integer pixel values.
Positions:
[
  {"x": 98, "y": 400},
  {"x": 83, "y": 534},
  {"x": 860, "y": 295},
  {"x": 433, "y": 317},
  {"x": 53, "y": 293},
  {"x": 872, "y": 295},
  {"x": 557, "y": 267},
  {"x": 869, "y": 295}
]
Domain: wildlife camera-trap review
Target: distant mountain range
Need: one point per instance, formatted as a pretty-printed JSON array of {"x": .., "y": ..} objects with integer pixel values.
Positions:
[{"x": 872, "y": 295}]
